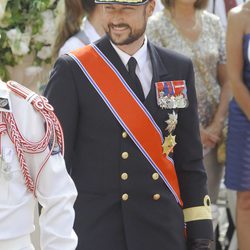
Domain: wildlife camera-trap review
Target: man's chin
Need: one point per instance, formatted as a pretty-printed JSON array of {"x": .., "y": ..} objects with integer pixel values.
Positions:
[
  {"x": 119, "y": 40},
  {"x": 119, "y": 43},
  {"x": 115, "y": 39}
]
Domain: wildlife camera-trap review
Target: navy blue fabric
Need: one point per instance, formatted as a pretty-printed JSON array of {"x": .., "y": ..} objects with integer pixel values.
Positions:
[{"x": 238, "y": 145}]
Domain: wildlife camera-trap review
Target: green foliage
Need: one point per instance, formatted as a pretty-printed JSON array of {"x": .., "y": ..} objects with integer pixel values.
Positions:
[{"x": 24, "y": 18}]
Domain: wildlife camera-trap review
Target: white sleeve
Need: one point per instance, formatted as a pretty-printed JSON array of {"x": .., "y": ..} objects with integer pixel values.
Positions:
[
  {"x": 56, "y": 193},
  {"x": 55, "y": 189}
]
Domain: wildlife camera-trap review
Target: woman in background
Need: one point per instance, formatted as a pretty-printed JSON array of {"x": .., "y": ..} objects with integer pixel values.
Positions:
[
  {"x": 184, "y": 26},
  {"x": 82, "y": 25},
  {"x": 238, "y": 147}
]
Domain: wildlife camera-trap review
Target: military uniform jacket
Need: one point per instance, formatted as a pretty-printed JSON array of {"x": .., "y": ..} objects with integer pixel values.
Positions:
[{"x": 105, "y": 163}]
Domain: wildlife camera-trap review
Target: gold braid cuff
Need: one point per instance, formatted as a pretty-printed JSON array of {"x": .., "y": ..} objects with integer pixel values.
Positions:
[{"x": 199, "y": 212}]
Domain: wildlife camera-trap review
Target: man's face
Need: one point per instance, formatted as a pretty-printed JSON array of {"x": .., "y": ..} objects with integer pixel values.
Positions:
[{"x": 125, "y": 24}]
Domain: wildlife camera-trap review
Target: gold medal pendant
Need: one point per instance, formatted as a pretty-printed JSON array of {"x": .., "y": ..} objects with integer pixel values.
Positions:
[{"x": 168, "y": 144}]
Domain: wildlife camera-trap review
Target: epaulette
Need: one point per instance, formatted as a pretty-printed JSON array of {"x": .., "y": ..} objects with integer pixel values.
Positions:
[
  {"x": 53, "y": 136},
  {"x": 41, "y": 104},
  {"x": 29, "y": 95}
]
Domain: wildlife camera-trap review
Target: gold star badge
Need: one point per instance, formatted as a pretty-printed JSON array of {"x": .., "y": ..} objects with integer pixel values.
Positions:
[{"x": 168, "y": 144}]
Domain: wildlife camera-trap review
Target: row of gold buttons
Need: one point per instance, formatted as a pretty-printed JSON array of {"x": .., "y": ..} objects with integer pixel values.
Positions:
[
  {"x": 124, "y": 176},
  {"x": 155, "y": 176},
  {"x": 156, "y": 197}
]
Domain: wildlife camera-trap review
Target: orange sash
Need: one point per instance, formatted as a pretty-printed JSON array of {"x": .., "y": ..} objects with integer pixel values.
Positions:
[{"x": 133, "y": 116}]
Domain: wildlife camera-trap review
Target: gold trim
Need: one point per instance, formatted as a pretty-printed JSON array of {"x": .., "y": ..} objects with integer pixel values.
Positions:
[
  {"x": 121, "y": 1},
  {"x": 199, "y": 212},
  {"x": 207, "y": 201}
]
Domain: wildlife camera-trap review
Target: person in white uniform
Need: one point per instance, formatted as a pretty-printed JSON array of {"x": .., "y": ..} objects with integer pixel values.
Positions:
[{"x": 32, "y": 169}]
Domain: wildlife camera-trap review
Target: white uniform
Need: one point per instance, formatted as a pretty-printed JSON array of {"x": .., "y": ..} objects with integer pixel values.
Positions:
[{"x": 54, "y": 189}]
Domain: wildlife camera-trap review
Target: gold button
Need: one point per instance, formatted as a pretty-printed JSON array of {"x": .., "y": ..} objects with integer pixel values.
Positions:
[
  {"x": 156, "y": 197},
  {"x": 155, "y": 176},
  {"x": 125, "y": 197},
  {"x": 125, "y": 155},
  {"x": 124, "y": 176},
  {"x": 124, "y": 135}
]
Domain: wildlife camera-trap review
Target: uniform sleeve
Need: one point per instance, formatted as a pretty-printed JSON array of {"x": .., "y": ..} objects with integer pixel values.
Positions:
[
  {"x": 54, "y": 188},
  {"x": 56, "y": 193},
  {"x": 190, "y": 170},
  {"x": 62, "y": 94}
]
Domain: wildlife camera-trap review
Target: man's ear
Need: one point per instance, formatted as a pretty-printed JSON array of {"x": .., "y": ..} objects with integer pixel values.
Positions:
[{"x": 151, "y": 7}]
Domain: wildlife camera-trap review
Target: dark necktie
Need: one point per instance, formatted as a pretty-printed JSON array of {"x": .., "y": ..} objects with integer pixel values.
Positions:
[
  {"x": 229, "y": 4},
  {"x": 136, "y": 82}
]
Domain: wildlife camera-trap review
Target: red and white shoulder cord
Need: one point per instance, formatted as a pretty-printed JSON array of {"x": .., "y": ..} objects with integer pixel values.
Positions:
[{"x": 53, "y": 131}]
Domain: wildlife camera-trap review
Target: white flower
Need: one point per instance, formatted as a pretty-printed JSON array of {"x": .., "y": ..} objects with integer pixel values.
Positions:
[
  {"x": 22, "y": 42},
  {"x": 45, "y": 52},
  {"x": 18, "y": 41},
  {"x": 47, "y": 33},
  {"x": 33, "y": 70},
  {"x": 3, "y": 4}
]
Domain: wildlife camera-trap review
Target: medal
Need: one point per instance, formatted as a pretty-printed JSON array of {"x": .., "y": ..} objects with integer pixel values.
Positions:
[
  {"x": 171, "y": 122},
  {"x": 168, "y": 144},
  {"x": 169, "y": 141},
  {"x": 181, "y": 102},
  {"x": 171, "y": 94}
]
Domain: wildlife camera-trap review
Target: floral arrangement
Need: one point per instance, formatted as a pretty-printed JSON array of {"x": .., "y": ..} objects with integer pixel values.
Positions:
[{"x": 27, "y": 27}]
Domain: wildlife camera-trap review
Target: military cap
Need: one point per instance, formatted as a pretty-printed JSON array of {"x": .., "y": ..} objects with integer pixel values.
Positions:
[{"x": 125, "y": 2}]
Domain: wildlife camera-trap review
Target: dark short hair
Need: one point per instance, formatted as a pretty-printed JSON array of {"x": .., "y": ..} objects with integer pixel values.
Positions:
[
  {"x": 88, "y": 5},
  {"x": 199, "y": 4}
]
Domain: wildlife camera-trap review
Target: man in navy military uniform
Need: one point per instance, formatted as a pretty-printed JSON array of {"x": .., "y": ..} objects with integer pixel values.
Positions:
[{"x": 132, "y": 145}]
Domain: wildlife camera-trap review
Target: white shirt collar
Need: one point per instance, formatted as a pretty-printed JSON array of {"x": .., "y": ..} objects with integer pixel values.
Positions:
[
  {"x": 144, "y": 66},
  {"x": 89, "y": 30},
  {"x": 141, "y": 55}
]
